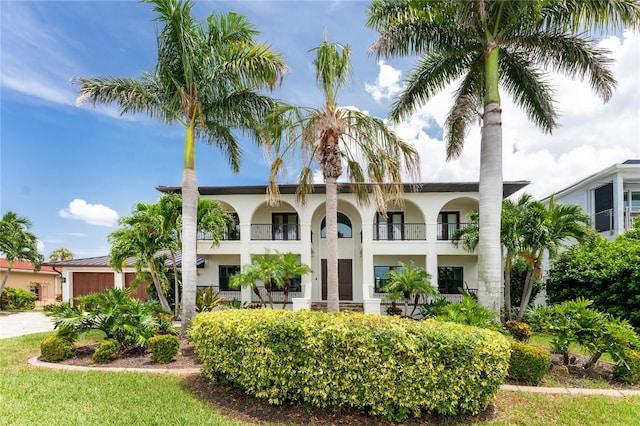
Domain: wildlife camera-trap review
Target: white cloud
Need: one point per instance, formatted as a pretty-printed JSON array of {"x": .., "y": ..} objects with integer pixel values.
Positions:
[
  {"x": 591, "y": 135},
  {"x": 40, "y": 246},
  {"x": 387, "y": 84},
  {"x": 93, "y": 214}
]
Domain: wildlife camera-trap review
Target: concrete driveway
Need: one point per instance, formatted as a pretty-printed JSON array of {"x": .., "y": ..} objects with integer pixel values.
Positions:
[{"x": 24, "y": 323}]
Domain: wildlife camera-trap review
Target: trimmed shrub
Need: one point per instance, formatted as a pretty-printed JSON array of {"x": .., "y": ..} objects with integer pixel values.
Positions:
[
  {"x": 17, "y": 299},
  {"x": 628, "y": 369},
  {"x": 528, "y": 363},
  {"x": 55, "y": 348},
  {"x": 106, "y": 351},
  {"x": 519, "y": 330},
  {"x": 385, "y": 365},
  {"x": 164, "y": 347}
]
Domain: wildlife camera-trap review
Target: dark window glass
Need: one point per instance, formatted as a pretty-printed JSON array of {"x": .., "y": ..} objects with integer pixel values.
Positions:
[
  {"x": 450, "y": 279},
  {"x": 344, "y": 227},
  {"x": 380, "y": 276},
  {"x": 226, "y": 272}
]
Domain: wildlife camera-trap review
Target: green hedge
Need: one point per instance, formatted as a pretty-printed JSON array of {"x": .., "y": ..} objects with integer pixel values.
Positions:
[
  {"x": 388, "y": 366},
  {"x": 528, "y": 363},
  {"x": 164, "y": 347},
  {"x": 17, "y": 299}
]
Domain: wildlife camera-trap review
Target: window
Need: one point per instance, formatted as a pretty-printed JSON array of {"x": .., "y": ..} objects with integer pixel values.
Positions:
[
  {"x": 448, "y": 224},
  {"x": 233, "y": 230},
  {"x": 296, "y": 284},
  {"x": 224, "y": 273},
  {"x": 603, "y": 207},
  {"x": 450, "y": 279},
  {"x": 635, "y": 199},
  {"x": 344, "y": 227},
  {"x": 285, "y": 226},
  {"x": 379, "y": 273},
  {"x": 390, "y": 227}
]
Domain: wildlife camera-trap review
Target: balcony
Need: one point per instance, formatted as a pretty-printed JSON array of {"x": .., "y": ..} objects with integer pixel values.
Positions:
[
  {"x": 446, "y": 231},
  {"x": 399, "y": 231},
  {"x": 275, "y": 232},
  {"x": 232, "y": 234},
  {"x": 277, "y": 295}
]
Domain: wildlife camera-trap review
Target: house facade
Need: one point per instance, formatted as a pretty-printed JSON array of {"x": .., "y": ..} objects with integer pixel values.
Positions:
[
  {"x": 611, "y": 197},
  {"x": 45, "y": 282},
  {"x": 369, "y": 245}
]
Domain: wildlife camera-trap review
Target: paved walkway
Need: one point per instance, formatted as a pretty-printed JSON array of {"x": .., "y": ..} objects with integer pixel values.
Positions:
[
  {"x": 24, "y": 323},
  {"x": 35, "y": 322}
]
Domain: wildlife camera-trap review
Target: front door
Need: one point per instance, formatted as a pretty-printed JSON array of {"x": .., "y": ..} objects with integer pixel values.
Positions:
[{"x": 345, "y": 279}]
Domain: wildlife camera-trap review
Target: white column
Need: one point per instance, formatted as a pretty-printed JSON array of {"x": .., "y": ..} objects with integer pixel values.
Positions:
[
  {"x": 304, "y": 302},
  {"x": 618, "y": 204},
  {"x": 431, "y": 261},
  {"x": 371, "y": 304}
]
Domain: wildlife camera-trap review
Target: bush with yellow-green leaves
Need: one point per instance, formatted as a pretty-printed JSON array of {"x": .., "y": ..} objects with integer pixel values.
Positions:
[{"x": 387, "y": 366}]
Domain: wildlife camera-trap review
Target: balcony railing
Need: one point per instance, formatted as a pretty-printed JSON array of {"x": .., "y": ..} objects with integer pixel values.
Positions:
[
  {"x": 446, "y": 231},
  {"x": 275, "y": 232},
  {"x": 399, "y": 231},
  {"x": 229, "y": 235},
  {"x": 449, "y": 297}
]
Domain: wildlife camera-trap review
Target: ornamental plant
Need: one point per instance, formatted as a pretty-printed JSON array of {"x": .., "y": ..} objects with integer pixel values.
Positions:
[
  {"x": 54, "y": 348},
  {"x": 106, "y": 351},
  {"x": 521, "y": 331},
  {"x": 628, "y": 368},
  {"x": 528, "y": 363},
  {"x": 164, "y": 347},
  {"x": 384, "y": 365},
  {"x": 17, "y": 299}
]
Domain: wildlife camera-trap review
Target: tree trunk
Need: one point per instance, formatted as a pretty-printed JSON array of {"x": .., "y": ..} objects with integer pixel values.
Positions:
[
  {"x": 189, "y": 211},
  {"x": 156, "y": 283},
  {"x": 489, "y": 246},
  {"x": 406, "y": 305},
  {"x": 333, "y": 298},
  {"x": 592, "y": 361},
  {"x": 4, "y": 279},
  {"x": 285, "y": 293},
  {"x": 256, "y": 290},
  {"x": 176, "y": 285},
  {"x": 528, "y": 288},
  {"x": 507, "y": 285}
]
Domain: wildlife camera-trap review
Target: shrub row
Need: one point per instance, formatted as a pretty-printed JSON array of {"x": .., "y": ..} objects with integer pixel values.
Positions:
[
  {"x": 17, "y": 299},
  {"x": 386, "y": 366}
]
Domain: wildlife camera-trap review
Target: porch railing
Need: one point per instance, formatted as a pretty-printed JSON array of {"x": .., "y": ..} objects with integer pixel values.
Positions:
[
  {"x": 446, "y": 231},
  {"x": 229, "y": 235},
  {"x": 399, "y": 231},
  {"x": 275, "y": 232}
]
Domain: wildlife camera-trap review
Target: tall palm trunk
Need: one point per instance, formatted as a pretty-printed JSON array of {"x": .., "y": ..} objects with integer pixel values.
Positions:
[
  {"x": 176, "y": 285},
  {"x": 333, "y": 300},
  {"x": 489, "y": 245},
  {"x": 529, "y": 281},
  {"x": 189, "y": 218},
  {"x": 508, "y": 264}
]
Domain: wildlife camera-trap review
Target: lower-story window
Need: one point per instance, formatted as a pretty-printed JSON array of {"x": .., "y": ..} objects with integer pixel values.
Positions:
[
  {"x": 296, "y": 284},
  {"x": 450, "y": 279},
  {"x": 380, "y": 275},
  {"x": 226, "y": 272}
]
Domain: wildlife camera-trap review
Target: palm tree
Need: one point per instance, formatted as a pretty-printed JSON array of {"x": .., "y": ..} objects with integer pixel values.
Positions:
[
  {"x": 274, "y": 270},
  {"x": 331, "y": 137},
  {"x": 17, "y": 243},
  {"x": 409, "y": 280},
  {"x": 544, "y": 230},
  {"x": 208, "y": 78},
  {"x": 141, "y": 236},
  {"x": 486, "y": 45},
  {"x": 60, "y": 253},
  {"x": 169, "y": 207}
]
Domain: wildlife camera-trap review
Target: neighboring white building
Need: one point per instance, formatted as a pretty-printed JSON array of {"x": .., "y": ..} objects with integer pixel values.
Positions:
[
  {"x": 611, "y": 197},
  {"x": 369, "y": 244}
]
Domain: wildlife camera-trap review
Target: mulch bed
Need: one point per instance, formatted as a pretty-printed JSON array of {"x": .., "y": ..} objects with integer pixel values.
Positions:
[{"x": 240, "y": 406}]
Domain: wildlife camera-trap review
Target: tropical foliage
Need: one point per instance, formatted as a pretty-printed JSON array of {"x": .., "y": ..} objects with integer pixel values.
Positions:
[
  {"x": 603, "y": 271},
  {"x": 469, "y": 312},
  {"x": 408, "y": 281},
  {"x": 122, "y": 318},
  {"x": 274, "y": 270},
  {"x": 60, "y": 253},
  {"x": 209, "y": 78},
  {"x": 489, "y": 46},
  {"x": 331, "y": 139},
  {"x": 17, "y": 243}
]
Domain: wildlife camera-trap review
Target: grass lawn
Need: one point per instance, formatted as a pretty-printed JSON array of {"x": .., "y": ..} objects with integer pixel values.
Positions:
[{"x": 32, "y": 396}]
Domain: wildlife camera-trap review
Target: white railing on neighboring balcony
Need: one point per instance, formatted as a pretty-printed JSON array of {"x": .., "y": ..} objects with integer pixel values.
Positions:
[{"x": 630, "y": 217}]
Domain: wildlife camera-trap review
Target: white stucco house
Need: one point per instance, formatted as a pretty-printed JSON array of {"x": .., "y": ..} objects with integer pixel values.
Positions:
[
  {"x": 369, "y": 243},
  {"x": 611, "y": 196}
]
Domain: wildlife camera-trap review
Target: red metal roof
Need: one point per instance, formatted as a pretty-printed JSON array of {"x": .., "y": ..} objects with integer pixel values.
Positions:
[{"x": 24, "y": 265}]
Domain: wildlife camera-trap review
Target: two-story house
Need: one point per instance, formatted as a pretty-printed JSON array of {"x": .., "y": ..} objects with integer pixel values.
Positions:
[
  {"x": 611, "y": 197},
  {"x": 370, "y": 244}
]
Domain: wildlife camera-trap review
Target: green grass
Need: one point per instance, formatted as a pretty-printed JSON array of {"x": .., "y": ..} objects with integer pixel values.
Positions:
[{"x": 30, "y": 396}]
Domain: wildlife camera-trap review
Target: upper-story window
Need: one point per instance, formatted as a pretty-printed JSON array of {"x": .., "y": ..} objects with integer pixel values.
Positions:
[
  {"x": 448, "y": 224},
  {"x": 344, "y": 227},
  {"x": 284, "y": 226},
  {"x": 390, "y": 227}
]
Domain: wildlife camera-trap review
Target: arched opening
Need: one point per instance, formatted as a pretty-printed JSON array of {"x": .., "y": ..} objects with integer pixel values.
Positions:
[{"x": 345, "y": 230}]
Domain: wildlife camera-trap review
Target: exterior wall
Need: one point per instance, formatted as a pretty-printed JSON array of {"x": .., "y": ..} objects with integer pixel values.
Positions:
[
  {"x": 49, "y": 284},
  {"x": 362, "y": 248}
]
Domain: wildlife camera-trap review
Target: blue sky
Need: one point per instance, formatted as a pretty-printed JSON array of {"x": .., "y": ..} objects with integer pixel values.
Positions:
[{"x": 74, "y": 170}]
